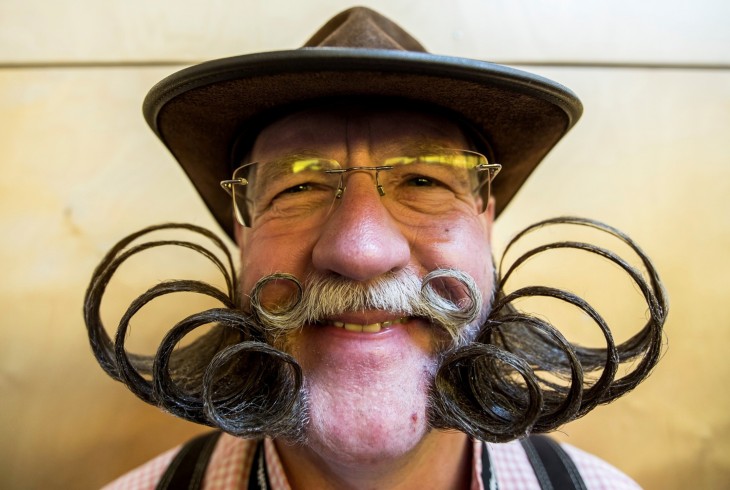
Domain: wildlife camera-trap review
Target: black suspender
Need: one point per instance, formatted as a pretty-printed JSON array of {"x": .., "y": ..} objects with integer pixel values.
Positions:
[
  {"x": 258, "y": 477},
  {"x": 188, "y": 468},
  {"x": 552, "y": 466},
  {"x": 489, "y": 479}
]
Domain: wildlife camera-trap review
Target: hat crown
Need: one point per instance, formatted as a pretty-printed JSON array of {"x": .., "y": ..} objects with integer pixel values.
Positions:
[{"x": 361, "y": 27}]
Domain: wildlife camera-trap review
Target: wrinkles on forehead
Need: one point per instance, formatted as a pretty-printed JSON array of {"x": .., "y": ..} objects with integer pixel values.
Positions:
[{"x": 327, "y": 133}]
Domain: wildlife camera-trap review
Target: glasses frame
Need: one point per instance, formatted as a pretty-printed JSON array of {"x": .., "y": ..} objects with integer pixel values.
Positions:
[{"x": 492, "y": 169}]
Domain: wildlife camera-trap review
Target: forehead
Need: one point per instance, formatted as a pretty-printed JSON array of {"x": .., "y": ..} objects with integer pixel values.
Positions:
[{"x": 337, "y": 130}]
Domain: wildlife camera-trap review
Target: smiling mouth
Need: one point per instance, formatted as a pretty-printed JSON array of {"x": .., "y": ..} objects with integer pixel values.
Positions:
[{"x": 369, "y": 328}]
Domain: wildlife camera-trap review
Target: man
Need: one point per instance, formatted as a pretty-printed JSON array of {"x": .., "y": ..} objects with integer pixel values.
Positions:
[{"x": 373, "y": 350}]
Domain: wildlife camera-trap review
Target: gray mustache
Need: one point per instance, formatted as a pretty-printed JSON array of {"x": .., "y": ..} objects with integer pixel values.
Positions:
[{"x": 447, "y": 298}]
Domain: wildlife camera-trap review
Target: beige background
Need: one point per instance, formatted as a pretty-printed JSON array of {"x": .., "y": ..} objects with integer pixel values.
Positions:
[{"x": 80, "y": 170}]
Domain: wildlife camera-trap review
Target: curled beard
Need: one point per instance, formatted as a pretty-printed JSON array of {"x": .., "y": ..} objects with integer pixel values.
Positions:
[{"x": 499, "y": 377}]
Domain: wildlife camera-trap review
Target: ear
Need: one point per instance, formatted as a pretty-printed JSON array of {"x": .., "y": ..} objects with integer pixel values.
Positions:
[
  {"x": 239, "y": 233},
  {"x": 488, "y": 216}
]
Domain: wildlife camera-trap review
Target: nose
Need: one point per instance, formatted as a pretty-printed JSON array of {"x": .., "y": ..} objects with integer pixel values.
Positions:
[{"x": 360, "y": 240}]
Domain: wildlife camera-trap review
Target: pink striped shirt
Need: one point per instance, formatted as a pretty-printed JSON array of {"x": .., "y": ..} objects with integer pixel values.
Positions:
[{"x": 232, "y": 457}]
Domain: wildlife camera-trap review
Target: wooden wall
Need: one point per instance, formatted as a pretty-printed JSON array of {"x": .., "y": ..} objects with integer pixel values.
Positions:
[{"x": 80, "y": 169}]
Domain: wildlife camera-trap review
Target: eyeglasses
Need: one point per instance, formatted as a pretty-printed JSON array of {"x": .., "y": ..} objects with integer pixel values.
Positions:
[{"x": 302, "y": 190}]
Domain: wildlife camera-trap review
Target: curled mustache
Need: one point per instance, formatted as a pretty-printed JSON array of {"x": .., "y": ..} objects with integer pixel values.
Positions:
[
  {"x": 448, "y": 299},
  {"x": 508, "y": 375}
]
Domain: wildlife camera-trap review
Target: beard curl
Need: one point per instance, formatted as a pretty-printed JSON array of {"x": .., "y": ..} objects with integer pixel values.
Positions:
[
  {"x": 229, "y": 370},
  {"x": 521, "y": 375},
  {"x": 500, "y": 379}
]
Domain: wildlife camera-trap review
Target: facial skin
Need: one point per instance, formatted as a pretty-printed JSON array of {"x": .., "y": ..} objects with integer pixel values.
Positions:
[{"x": 368, "y": 392}]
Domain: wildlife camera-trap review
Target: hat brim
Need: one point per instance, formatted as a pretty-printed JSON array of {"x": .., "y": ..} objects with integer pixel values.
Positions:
[{"x": 199, "y": 112}]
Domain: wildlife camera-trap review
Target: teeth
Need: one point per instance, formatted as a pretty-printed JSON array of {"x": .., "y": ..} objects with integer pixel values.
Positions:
[
  {"x": 353, "y": 327},
  {"x": 371, "y": 328}
]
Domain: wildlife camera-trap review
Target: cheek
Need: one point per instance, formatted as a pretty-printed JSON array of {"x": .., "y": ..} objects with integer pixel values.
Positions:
[
  {"x": 262, "y": 255},
  {"x": 462, "y": 244}
]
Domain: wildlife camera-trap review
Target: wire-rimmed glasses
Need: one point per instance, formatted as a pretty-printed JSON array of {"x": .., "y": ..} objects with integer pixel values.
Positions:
[{"x": 303, "y": 189}]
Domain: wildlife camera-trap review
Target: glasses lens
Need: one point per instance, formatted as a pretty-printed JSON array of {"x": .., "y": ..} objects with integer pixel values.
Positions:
[
  {"x": 289, "y": 189},
  {"x": 435, "y": 183}
]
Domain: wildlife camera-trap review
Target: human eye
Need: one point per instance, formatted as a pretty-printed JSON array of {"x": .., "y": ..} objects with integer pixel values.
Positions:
[
  {"x": 433, "y": 175},
  {"x": 297, "y": 188},
  {"x": 294, "y": 187},
  {"x": 409, "y": 171},
  {"x": 431, "y": 183},
  {"x": 421, "y": 181},
  {"x": 304, "y": 185}
]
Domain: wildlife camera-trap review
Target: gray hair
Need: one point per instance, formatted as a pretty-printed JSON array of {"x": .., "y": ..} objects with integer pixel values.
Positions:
[{"x": 401, "y": 292}]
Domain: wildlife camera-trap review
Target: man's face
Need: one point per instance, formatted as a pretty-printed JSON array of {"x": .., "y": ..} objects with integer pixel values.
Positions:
[{"x": 367, "y": 391}]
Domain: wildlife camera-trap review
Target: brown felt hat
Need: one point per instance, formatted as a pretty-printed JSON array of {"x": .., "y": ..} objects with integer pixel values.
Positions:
[{"x": 200, "y": 112}]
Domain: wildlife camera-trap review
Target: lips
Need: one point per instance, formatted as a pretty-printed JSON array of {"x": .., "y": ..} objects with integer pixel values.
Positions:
[{"x": 367, "y": 328}]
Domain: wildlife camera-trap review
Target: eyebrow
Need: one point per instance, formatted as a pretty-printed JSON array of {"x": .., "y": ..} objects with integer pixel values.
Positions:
[
  {"x": 415, "y": 147},
  {"x": 279, "y": 166}
]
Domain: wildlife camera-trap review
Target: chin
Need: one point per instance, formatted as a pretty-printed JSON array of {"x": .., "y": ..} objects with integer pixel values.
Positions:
[
  {"x": 365, "y": 429},
  {"x": 367, "y": 407}
]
